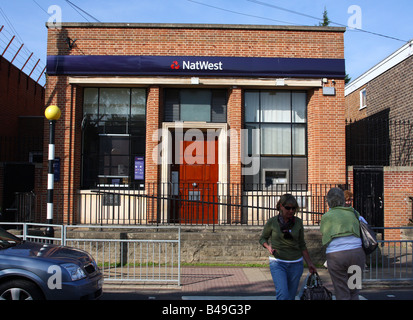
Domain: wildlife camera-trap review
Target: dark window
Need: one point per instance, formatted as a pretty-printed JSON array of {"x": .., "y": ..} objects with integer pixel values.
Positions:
[
  {"x": 113, "y": 131},
  {"x": 195, "y": 105},
  {"x": 276, "y": 122}
]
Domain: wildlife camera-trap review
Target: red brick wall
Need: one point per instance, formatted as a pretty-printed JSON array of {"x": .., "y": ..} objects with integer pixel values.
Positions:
[
  {"x": 398, "y": 187},
  {"x": 391, "y": 91},
  {"x": 244, "y": 42},
  {"x": 352, "y": 102},
  {"x": 19, "y": 96},
  {"x": 326, "y": 136}
]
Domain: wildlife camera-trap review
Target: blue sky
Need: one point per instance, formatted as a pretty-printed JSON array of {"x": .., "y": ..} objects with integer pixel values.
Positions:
[{"x": 26, "y": 19}]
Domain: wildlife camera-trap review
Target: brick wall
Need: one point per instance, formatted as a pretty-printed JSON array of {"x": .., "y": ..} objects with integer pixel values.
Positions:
[
  {"x": 398, "y": 187},
  {"x": 20, "y": 96},
  {"x": 326, "y": 136},
  {"x": 352, "y": 103},
  {"x": 391, "y": 91},
  {"x": 197, "y": 41}
]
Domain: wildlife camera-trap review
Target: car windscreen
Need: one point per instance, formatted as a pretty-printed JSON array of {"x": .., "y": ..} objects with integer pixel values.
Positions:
[{"x": 7, "y": 239}]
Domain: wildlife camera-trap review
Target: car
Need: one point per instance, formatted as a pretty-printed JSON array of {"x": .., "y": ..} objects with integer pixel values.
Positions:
[{"x": 42, "y": 271}]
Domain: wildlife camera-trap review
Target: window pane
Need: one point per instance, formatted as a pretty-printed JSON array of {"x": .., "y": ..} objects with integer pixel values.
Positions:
[
  {"x": 298, "y": 139},
  {"x": 196, "y": 105},
  {"x": 114, "y": 104},
  {"x": 219, "y": 106},
  {"x": 275, "y": 106},
  {"x": 252, "y": 141},
  {"x": 276, "y": 139},
  {"x": 299, "y": 106},
  {"x": 90, "y": 103},
  {"x": 252, "y": 106},
  {"x": 299, "y": 170},
  {"x": 114, "y": 152},
  {"x": 138, "y": 107}
]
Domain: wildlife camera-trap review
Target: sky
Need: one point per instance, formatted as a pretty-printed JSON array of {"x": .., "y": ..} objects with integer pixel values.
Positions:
[{"x": 375, "y": 28}]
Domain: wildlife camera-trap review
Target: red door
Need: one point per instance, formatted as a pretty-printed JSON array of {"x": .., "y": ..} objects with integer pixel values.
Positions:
[{"x": 198, "y": 177}]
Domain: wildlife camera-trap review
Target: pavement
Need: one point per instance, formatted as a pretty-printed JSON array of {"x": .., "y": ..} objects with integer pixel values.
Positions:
[{"x": 209, "y": 283}]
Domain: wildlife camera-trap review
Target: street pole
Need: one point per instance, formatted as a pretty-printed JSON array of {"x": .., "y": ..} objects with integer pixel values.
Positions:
[{"x": 52, "y": 114}]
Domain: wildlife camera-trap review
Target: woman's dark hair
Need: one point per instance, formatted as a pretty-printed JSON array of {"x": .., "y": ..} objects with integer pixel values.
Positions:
[
  {"x": 287, "y": 199},
  {"x": 335, "y": 198}
]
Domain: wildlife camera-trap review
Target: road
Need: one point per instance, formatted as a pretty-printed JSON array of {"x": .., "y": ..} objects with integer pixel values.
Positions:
[{"x": 379, "y": 293}]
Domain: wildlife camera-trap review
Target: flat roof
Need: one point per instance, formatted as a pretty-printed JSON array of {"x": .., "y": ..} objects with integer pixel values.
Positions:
[{"x": 195, "y": 26}]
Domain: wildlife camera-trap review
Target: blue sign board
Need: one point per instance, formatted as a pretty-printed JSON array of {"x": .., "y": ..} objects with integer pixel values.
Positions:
[
  {"x": 139, "y": 168},
  {"x": 195, "y": 66}
]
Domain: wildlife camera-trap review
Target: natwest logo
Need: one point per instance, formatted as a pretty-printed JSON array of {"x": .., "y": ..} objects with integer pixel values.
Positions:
[
  {"x": 198, "y": 65},
  {"x": 175, "y": 65}
]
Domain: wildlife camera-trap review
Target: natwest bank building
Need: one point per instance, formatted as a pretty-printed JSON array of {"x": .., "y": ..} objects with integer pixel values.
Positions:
[{"x": 194, "y": 124}]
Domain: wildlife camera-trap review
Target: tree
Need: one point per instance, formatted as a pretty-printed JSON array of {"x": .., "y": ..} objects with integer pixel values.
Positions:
[{"x": 326, "y": 20}]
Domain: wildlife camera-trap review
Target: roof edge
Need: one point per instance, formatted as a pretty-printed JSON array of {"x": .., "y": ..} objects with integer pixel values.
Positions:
[
  {"x": 194, "y": 26},
  {"x": 384, "y": 65}
]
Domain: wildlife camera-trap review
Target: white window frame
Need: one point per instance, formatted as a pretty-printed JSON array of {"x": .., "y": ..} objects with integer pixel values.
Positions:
[{"x": 363, "y": 99}]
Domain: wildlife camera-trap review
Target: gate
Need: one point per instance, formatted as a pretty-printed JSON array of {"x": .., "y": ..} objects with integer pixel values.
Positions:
[{"x": 368, "y": 194}]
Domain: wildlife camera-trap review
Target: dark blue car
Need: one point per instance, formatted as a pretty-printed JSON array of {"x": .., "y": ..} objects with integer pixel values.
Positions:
[{"x": 36, "y": 271}]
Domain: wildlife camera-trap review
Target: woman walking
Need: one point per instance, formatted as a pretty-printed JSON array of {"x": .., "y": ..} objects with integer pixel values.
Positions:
[
  {"x": 341, "y": 233},
  {"x": 283, "y": 237}
]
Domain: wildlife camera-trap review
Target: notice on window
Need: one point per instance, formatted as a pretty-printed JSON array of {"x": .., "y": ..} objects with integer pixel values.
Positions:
[{"x": 139, "y": 168}]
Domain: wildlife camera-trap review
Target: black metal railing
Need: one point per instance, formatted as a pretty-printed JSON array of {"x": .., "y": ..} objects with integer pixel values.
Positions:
[
  {"x": 185, "y": 204},
  {"x": 379, "y": 141}
]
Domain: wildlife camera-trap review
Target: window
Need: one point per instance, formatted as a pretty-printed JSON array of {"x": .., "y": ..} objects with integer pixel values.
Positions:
[
  {"x": 195, "y": 105},
  {"x": 281, "y": 145},
  {"x": 363, "y": 99},
  {"x": 113, "y": 135}
]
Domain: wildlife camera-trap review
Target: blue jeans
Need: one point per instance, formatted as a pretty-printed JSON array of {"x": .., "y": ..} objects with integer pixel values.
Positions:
[{"x": 286, "y": 277}]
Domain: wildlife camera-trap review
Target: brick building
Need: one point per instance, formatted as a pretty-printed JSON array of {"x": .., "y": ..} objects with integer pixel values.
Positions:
[
  {"x": 379, "y": 106},
  {"x": 21, "y": 136},
  {"x": 148, "y": 109}
]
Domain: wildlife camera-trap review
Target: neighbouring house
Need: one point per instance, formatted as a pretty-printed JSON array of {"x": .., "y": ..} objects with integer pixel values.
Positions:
[
  {"x": 21, "y": 140},
  {"x": 379, "y": 109}
]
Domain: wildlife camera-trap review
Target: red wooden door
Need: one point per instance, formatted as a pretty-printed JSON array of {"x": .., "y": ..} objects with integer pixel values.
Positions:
[{"x": 198, "y": 177}]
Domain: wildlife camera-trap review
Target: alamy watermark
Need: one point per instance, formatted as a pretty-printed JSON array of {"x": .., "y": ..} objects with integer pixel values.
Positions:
[
  {"x": 200, "y": 148},
  {"x": 55, "y": 19},
  {"x": 355, "y": 20},
  {"x": 355, "y": 280}
]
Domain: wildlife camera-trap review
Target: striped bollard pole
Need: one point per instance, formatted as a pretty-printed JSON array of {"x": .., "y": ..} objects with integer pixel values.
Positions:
[{"x": 52, "y": 114}]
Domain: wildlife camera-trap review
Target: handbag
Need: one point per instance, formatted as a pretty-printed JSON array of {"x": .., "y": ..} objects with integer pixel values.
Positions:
[
  {"x": 313, "y": 289},
  {"x": 368, "y": 237}
]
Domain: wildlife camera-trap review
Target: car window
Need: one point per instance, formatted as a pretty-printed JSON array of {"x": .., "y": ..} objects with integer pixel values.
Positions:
[{"x": 7, "y": 239}]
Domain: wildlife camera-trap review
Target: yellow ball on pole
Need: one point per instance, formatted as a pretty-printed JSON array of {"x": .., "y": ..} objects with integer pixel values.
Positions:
[{"x": 52, "y": 112}]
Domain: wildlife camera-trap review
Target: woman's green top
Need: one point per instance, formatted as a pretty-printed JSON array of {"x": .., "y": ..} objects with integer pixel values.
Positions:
[
  {"x": 339, "y": 222},
  {"x": 286, "y": 249}
]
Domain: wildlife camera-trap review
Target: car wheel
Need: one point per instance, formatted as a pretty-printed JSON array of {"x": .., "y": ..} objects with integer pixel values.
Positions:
[{"x": 20, "y": 290}]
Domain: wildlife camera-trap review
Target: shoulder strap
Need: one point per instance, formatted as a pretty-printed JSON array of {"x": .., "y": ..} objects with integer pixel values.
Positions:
[{"x": 355, "y": 213}]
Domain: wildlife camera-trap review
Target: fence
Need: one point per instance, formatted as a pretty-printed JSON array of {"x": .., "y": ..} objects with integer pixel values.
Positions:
[
  {"x": 122, "y": 253},
  {"x": 134, "y": 258},
  {"x": 379, "y": 141},
  {"x": 201, "y": 204},
  {"x": 392, "y": 260}
]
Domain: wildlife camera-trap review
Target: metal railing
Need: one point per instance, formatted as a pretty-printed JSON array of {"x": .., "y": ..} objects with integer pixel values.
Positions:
[
  {"x": 392, "y": 260},
  {"x": 125, "y": 254},
  {"x": 205, "y": 204},
  {"x": 379, "y": 141}
]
